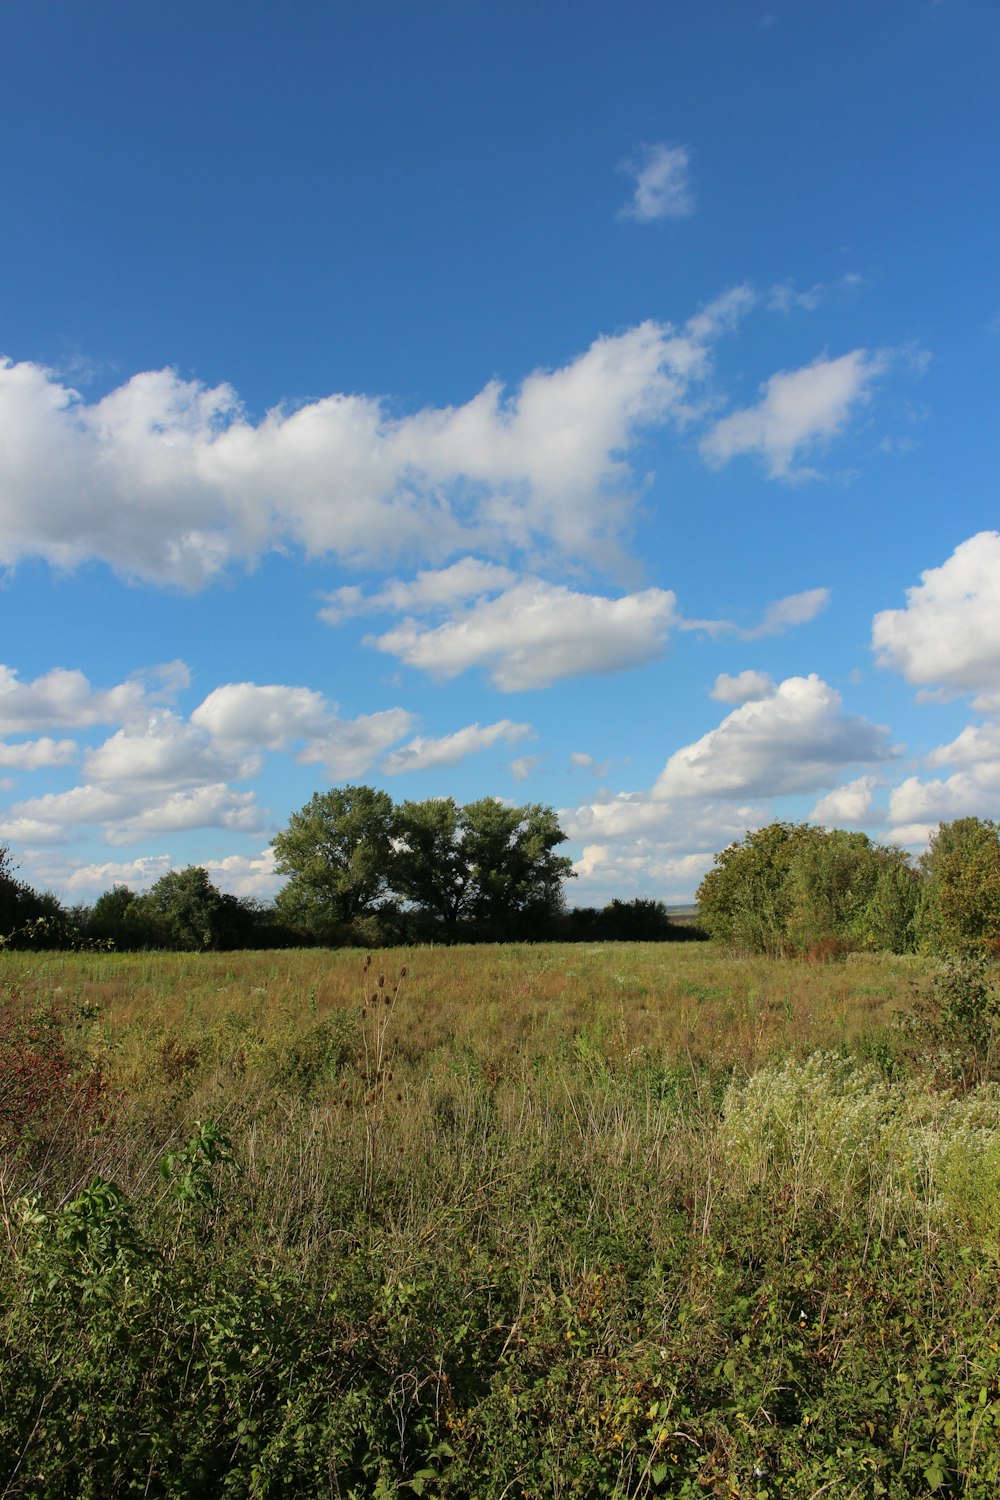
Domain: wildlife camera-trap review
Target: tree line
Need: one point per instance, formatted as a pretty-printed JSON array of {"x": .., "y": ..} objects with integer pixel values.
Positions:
[
  {"x": 362, "y": 870},
  {"x": 794, "y": 888}
]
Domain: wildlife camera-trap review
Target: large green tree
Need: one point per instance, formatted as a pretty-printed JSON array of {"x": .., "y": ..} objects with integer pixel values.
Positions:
[
  {"x": 960, "y": 907},
  {"x": 789, "y": 887},
  {"x": 184, "y": 910},
  {"x": 337, "y": 852},
  {"x": 487, "y": 864}
]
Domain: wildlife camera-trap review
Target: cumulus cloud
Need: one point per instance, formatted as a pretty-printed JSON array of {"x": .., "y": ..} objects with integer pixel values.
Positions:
[
  {"x": 796, "y": 740},
  {"x": 166, "y": 752},
  {"x": 275, "y": 717},
  {"x": 33, "y": 755},
  {"x": 162, "y": 773},
  {"x": 745, "y": 687},
  {"x": 240, "y": 874},
  {"x": 916, "y": 806},
  {"x": 946, "y": 639},
  {"x": 128, "y": 815},
  {"x": 422, "y": 754},
  {"x": 536, "y": 633},
  {"x": 977, "y": 745},
  {"x": 167, "y": 480},
  {"x": 63, "y": 699},
  {"x": 850, "y": 805},
  {"x": 91, "y": 879},
  {"x": 797, "y": 410},
  {"x": 662, "y": 183}
]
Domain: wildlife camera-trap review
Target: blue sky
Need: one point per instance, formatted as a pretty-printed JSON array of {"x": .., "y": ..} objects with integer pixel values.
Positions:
[{"x": 580, "y": 405}]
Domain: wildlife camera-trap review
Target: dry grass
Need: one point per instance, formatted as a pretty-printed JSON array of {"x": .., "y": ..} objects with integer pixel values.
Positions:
[{"x": 683, "y": 1001}]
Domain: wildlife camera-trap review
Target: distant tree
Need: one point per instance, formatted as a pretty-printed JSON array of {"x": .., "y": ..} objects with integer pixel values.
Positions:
[
  {"x": 29, "y": 918},
  {"x": 115, "y": 918},
  {"x": 788, "y": 888},
  {"x": 744, "y": 901},
  {"x": 337, "y": 852},
  {"x": 486, "y": 864},
  {"x": 429, "y": 869},
  {"x": 184, "y": 910},
  {"x": 843, "y": 887},
  {"x": 640, "y": 920},
  {"x": 960, "y": 905}
]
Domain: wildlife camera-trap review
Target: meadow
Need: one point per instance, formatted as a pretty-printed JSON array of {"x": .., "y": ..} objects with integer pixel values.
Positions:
[{"x": 520, "y": 1221}]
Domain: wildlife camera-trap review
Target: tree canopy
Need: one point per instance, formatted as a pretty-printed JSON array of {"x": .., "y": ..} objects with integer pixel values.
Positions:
[
  {"x": 484, "y": 868},
  {"x": 791, "y": 887}
]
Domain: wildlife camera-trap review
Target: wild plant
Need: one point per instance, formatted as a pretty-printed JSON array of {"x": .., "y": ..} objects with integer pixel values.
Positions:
[
  {"x": 957, "y": 1025},
  {"x": 378, "y": 1007}
]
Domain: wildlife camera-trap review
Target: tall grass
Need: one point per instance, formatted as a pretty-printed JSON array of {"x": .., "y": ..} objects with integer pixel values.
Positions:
[{"x": 628, "y": 1220}]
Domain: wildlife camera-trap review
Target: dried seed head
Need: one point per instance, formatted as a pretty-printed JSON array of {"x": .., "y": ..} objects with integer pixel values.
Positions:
[
  {"x": 402, "y": 972},
  {"x": 388, "y": 999},
  {"x": 368, "y": 961}
]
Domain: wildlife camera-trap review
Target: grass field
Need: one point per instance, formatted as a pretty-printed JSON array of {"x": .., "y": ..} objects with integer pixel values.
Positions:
[{"x": 528, "y": 1221}]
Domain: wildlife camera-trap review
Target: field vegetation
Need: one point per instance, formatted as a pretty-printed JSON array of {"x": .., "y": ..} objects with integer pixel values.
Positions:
[{"x": 521, "y": 1221}]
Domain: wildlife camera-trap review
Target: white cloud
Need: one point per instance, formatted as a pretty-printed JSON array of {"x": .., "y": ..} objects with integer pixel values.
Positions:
[
  {"x": 247, "y": 876},
  {"x": 972, "y": 790},
  {"x": 786, "y": 297},
  {"x": 794, "y": 609},
  {"x": 662, "y": 183},
  {"x": 797, "y": 410},
  {"x": 91, "y": 880},
  {"x": 977, "y": 745},
  {"x": 32, "y": 755},
  {"x": 780, "y": 615},
  {"x": 710, "y": 792},
  {"x": 65, "y": 699},
  {"x": 165, "y": 753},
  {"x": 128, "y": 815},
  {"x": 523, "y": 766},
  {"x": 582, "y": 761},
  {"x": 423, "y": 754},
  {"x": 745, "y": 687},
  {"x": 275, "y": 717},
  {"x": 468, "y": 578},
  {"x": 169, "y": 481},
  {"x": 536, "y": 633},
  {"x": 797, "y": 740},
  {"x": 926, "y": 803},
  {"x": 948, "y": 635},
  {"x": 241, "y": 875},
  {"x": 849, "y": 806},
  {"x": 605, "y": 872}
]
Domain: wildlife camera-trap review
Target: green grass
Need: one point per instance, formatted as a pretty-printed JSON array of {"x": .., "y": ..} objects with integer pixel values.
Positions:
[{"x": 614, "y": 1220}]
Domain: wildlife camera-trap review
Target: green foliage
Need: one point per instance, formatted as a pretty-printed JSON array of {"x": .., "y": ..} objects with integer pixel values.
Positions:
[
  {"x": 795, "y": 888},
  {"x": 960, "y": 910},
  {"x": 957, "y": 1026},
  {"x": 185, "y": 911},
  {"x": 485, "y": 864},
  {"x": 337, "y": 852},
  {"x": 486, "y": 869}
]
